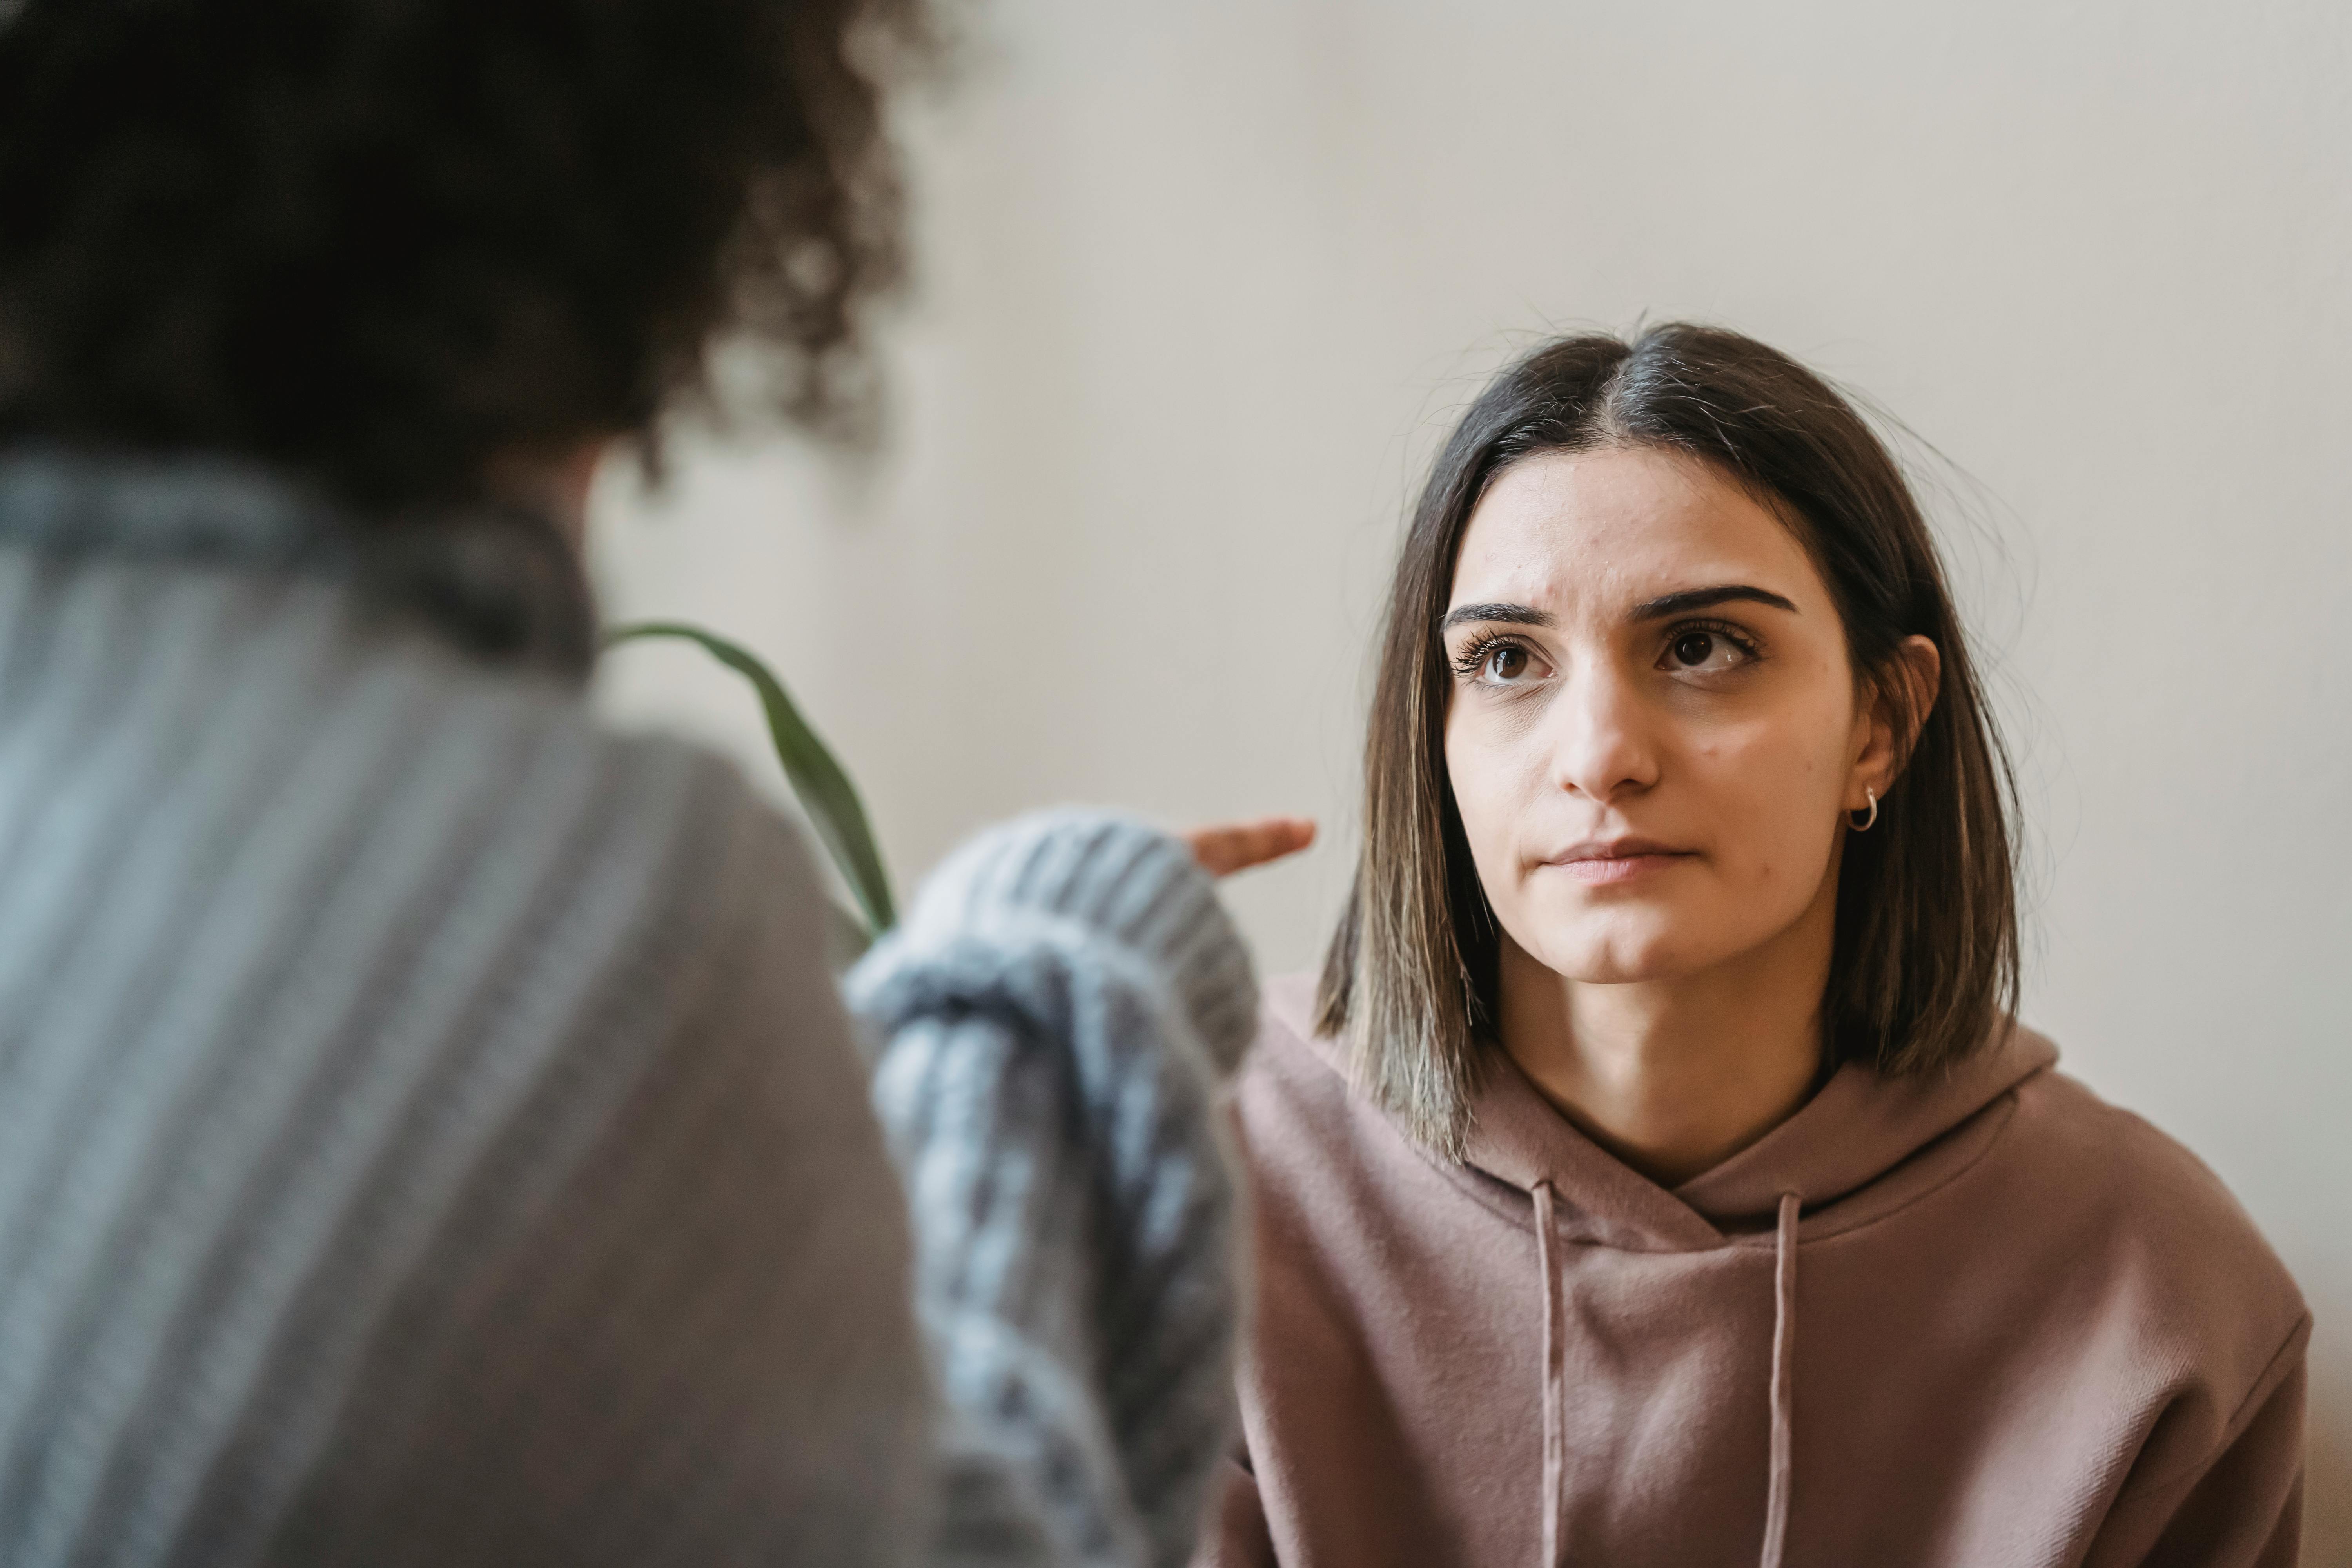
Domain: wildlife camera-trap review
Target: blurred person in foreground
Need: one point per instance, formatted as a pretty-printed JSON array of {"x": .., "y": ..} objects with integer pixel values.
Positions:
[{"x": 428, "y": 1130}]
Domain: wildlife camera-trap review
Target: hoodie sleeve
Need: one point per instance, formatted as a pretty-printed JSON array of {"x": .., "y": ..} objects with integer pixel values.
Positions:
[
  {"x": 2238, "y": 1505},
  {"x": 1052, "y": 1023}
]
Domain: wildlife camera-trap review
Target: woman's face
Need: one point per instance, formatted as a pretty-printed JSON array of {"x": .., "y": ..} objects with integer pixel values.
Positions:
[{"x": 1654, "y": 726}]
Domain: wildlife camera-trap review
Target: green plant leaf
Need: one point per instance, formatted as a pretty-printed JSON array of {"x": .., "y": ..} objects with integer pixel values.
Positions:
[{"x": 818, "y": 780}]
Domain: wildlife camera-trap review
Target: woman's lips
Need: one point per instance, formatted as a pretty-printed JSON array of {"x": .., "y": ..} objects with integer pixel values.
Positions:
[{"x": 1626, "y": 860}]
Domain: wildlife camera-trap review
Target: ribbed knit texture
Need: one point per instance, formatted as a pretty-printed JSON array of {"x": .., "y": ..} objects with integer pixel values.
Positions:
[
  {"x": 428, "y": 1134},
  {"x": 1054, "y": 1017}
]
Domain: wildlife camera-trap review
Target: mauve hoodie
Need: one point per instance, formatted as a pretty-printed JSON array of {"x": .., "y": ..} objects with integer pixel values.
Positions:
[{"x": 1979, "y": 1318}]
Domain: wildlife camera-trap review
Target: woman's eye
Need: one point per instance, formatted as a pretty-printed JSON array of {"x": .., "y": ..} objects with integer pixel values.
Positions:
[
  {"x": 1497, "y": 664},
  {"x": 1706, "y": 652},
  {"x": 1506, "y": 663}
]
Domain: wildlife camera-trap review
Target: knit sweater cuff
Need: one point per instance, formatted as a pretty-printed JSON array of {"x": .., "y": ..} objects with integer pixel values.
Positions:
[{"x": 1121, "y": 878}]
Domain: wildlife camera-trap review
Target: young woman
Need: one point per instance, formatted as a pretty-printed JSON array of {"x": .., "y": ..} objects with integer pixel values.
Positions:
[{"x": 1657, "y": 1176}]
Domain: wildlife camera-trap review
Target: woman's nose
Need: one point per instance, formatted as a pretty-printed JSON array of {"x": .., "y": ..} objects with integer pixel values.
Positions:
[{"x": 1601, "y": 743}]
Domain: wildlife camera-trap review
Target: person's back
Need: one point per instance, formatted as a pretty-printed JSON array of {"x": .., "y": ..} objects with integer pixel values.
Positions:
[
  {"x": 429, "y": 1132},
  {"x": 345, "y": 970}
]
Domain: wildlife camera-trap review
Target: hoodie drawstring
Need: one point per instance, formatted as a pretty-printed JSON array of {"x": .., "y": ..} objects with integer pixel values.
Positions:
[
  {"x": 1555, "y": 1388},
  {"x": 1782, "y": 1464},
  {"x": 1784, "y": 1383}
]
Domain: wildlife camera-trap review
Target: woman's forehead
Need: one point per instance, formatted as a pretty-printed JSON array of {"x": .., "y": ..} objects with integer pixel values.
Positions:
[{"x": 1590, "y": 532}]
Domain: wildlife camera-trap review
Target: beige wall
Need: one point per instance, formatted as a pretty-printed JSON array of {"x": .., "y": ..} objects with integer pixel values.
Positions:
[{"x": 1201, "y": 283}]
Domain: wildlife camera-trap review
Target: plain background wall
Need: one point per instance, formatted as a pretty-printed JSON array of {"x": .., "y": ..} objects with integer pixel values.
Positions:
[{"x": 1200, "y": 287}]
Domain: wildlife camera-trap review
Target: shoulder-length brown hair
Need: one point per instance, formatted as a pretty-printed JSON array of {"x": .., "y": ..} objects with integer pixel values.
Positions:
[{"x": 1924, "y": 963}]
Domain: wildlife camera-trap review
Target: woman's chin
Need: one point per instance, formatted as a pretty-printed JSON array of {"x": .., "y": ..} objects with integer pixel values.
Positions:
[{"x": 1619, "y": 957}]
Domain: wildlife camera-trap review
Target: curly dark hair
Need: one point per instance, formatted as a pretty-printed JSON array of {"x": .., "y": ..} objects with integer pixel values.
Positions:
[{"x": 387, "y": 243}]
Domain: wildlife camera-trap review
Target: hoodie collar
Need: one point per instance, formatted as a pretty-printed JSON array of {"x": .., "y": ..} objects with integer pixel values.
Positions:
[
  {"x": 1517, "y": 1136},
  {"x": 1858, "y": 1127},
  {"x": 498, "y": 582},
  {"x": 1861, "y": 1125}
]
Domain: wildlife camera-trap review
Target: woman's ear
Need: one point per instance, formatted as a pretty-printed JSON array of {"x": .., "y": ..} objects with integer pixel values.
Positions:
[{"x": 1900, "y": 701}]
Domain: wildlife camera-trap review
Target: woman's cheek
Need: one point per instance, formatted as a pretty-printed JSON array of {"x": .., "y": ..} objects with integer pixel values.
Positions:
[
  {"x": 1781, "y": 848},
  {"x": 1489, "y": 823}
]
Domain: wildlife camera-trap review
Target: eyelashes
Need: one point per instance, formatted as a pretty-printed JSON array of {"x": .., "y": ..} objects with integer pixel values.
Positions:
[
  {"x": 1473, "y": 659},
  {"x": 1471, "y": 664}
]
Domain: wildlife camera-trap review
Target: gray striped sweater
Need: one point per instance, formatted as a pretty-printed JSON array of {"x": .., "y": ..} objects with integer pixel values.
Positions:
[{"x": 428, "y": 1133}]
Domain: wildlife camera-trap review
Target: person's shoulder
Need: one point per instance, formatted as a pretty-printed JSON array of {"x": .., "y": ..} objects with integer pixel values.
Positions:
[
  {"x": 2163, "y": 1226},
  {"x": 2114, "y": 1154},
  {"x": 617, "y": 788},
  {"x": 1299, "y": 1113},
  {"x": 1292, "y": 1071},
  {"x": 664, "y": 834},
  {"x": 709, "y": 843}
]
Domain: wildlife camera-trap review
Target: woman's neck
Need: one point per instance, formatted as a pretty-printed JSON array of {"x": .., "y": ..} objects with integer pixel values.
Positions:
[
  {"x": 1675, "y": 1077},
  {"x": 555, "y": 486}
]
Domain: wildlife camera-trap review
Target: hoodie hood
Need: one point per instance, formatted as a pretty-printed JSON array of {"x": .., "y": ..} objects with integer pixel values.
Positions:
[{"x": 1844, "y": 1149}]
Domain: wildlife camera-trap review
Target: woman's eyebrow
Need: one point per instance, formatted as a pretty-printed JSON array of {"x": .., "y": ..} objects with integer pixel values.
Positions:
[
  {"x": 1691, "y": 599},
  {"x": 1517, "y": 614}
]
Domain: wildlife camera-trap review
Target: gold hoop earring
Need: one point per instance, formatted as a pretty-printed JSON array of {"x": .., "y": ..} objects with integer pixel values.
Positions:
[{"x": 1867, "y": 823}]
